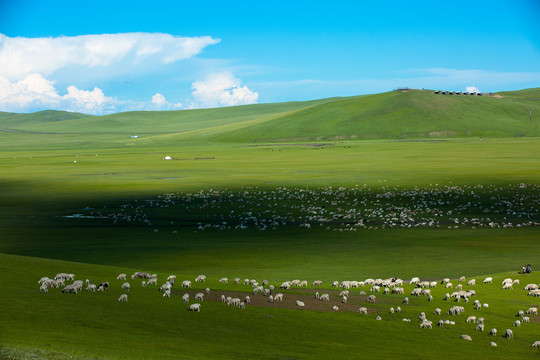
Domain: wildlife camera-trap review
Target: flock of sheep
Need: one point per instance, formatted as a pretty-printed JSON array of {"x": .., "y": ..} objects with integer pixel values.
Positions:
[
  {"x": 374, "y": 286},
  {"x": 346, "y": 208}
]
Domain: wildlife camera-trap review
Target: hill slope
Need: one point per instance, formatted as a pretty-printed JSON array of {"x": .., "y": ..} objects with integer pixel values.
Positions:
[{"x": 392, "y": 115}]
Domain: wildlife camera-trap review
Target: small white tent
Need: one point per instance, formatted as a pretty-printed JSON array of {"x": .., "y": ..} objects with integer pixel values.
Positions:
[{"x": 167, "y": 158}]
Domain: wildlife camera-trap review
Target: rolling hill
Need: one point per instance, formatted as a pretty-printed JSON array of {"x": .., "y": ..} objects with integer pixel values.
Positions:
[{"x": 414, "y": 114}]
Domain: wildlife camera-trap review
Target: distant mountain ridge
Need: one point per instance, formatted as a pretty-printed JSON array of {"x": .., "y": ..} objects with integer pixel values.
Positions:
[{"x": 411, "y": 114}]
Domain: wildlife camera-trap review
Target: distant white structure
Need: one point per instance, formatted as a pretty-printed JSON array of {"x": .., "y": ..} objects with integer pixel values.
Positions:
[
  {"x": 167, "y": 158},
  {"x": 134, "y": 136}
]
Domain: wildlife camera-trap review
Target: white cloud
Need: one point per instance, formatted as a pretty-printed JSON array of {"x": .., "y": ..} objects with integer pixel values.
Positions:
[
  {"x": 160, "y": 103},
  {"x": 124, "y": 52},
  {"x": 159, "y": 100},
  {"x": 34, "y": 92},
  {"x": 221, "y": 89},
  {"x": 472, "y": 89}
]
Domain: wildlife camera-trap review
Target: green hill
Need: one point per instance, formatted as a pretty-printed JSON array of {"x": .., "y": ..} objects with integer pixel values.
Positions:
[{"x": 413, "y": 114}]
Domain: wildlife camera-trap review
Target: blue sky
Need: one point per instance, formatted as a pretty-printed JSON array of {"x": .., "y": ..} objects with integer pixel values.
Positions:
[{"x": 176, "y": 55}]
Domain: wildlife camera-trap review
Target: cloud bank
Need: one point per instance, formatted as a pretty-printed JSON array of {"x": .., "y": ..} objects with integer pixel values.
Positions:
[
  {"x": 20, "y": 56},
  {"x": 221, "y": 89}
]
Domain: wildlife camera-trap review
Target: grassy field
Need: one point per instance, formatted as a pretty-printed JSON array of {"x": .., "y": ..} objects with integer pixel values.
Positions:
[{"x": 220, "y": 208}]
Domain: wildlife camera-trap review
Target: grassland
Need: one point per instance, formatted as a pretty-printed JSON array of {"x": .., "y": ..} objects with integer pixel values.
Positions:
[{"x": 59, "y": 164}]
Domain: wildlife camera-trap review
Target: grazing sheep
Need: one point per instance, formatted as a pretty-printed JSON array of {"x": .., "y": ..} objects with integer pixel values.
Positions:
[
  {"x": 143, "y": 284},
  {"x": 152, "y": 281},
  {"x": 488, "y": 280},
  {"x": 270, "y": 298},
  {"x": 493, "y": 332},
  {"x": 447, "y": 297},
  {"x": 266, "y": 292},
  {"x": 123, "y": 298},
  {"x": 104, "y": 284},
  {"x": 200, "y": 278},
  {"x": 480, "y": 327},
  {"x": 43, "y": 280},
  {"x": 224, "y": 280},
  {"x": 199, "y": 297},
  {"x": 324, "y": 297},
  {"x": 278, "y": 297},
  {"x": 440, "y": 323},
  {"x": 386, "y": 291},
  {"x": 91, "y": 287},
  {"x": 507, "y": 286},
  {"x": 471, "y": 282},
  {"x": 506, "y": 281},
  {"x": 344, "y": 300},
  {"x": 448, "y": 285},
  {"x": 515, "y": 282},
  {"x": 405, "y": 301},
  {"x": 194, "y": 307},
  {"x": 536, "y": 344},
  {"x": 362, "y": 311},
  {"x": 335, "y": 284},
  {"x": 247, "y": 299},
  {"x": 509, "y": 334},
  {"x": 286, "y": 285},
  {"x": 438, "y": 311},
  {"x": 392, "y": 310},
  {"x": 430, "y": 298},
  {"x": 344, "y": 293},
  {"x": 69, "y": 289},
  {"x": 186, "y": 284},
  {"x": 207, "y": 291},
  {"x": 406, "y": 320},
  {"x": 414, "y": 280},
  {"x": 532, "y": 311},
  {"x": 445, "y": 280},
  {"x": 462, "y": 278},
  {"x": 185, "y": 298},
  {"x": 520, "y": 313},
  {"x": 493, "y": 343},
  {"x": 535, "y": 293},
  {"x": 459, "y": 286},
  {"x": 525, "y": 319},
  {"x": 433, "y": 284},
  {"x": 517, "y": 323},
  {"x": 471, "y": 319},
  {"x": 167, "y": 293},
  {"x": 43, "y": 288},
  {"x": 485, "y": 305},
  {"x": 236, "y": 281},
  {"x": 466, "y": 337},
  {"x": 378, "y": 318},
  {"x": 317, "y": 283},
  {"x": 121, "y": 277},
  {"x": 317, "y": 295},
  {"x": 426, "y": 324},
  {"x": 531, "y": 287},
  {"x": 126, "y": 286},
  {"x": 171, "y": 278},
  {"x": 335, "y": 308},
  {"x": 480, "y": 320},
  {"x": 242, "y": 305},
  {"x": 371, "y": 299},
  {"x": 265, "y": 283},
  {"x": 398, "y": 309},
  {"x": 299, "y": 303},
  {"x": 100, "y": 289}
]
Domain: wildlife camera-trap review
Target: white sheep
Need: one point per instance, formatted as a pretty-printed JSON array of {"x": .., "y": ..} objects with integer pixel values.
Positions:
[
  {"x": 426, "y": 324},
  {"x": 43, "y": 288},
  {"x": 466, "y": 337},
  {"x": 392, "y": 310},
  {"x": 406, "y": 320},
  {"x": 471, "y": 282},
  {"x": 185, "y": 298},
  {"x": 242, "y": 305},
  {"x": 437, "y": 311},
  {"x": 324, "y": 297},
  {"x": 91, "y": 287},
  {"x": 300, "y": 303},
  {"x": 123, "y": 298},
  {"x": 126, "y": 286},
  {"x": 199, "y": 297},
  {"x": 493, "y": 332},
  {"x": 471, "y": 319},
  {"x": 488, "y": 280},
  {"x": 525, "y": 319},
  {"x": 480, "y": 327},
  {"x": 186, "y": 284},
  {"x": 507, "y": 286},
  {"x": 515, "y": 282},
  {"x": 121, "y": 277},
  {"x": 167, "y": 293},
  {"x": 445, "y": 280},
  {"x": 440, "y": 323},
  {"x": 536, "y": 344},
  {"x": 200, "y": 278},
  {"x": 462, "y": 278},
  {"x": 363, "y": 311},
  {"x": 171, "y": 278},
  {"x": 224, "y": 280},
  {"x": 517, "y": 323},
  {"x": 152, "y": 281},
  {"x": 335, "y": 308},
  {"x": 532, "y": 311},
  {"x": 531, "y": 287},
  {"x": 509, "y": 334},
  {"x": 520, "y": 313},
  {"x": 236, "y": 281},
  {"x": 270, "y": 298},
  {"x": 70, "y": 288},
  {"x": 317, "y": 283},
  {"x": 247, "y": 299},
  {"x": 194, "y": 307},
  {"x": 344, "y": 293},
  {"x": 207, "y": 291},
  {"x": 405, "y": 301},
  {"x": 493, "y": 343},
  {"x": 398, "y": 309},
  {"x": 371, "y": 299},
  {"x": 278, "y": 297},
  {"x": 506, "y": 281},
  {"x": 448, "y": 285}
]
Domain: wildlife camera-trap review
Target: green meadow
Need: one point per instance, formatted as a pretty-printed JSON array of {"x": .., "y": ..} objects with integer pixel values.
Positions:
[{"x": 380, "y": 179}]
